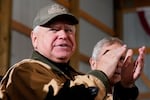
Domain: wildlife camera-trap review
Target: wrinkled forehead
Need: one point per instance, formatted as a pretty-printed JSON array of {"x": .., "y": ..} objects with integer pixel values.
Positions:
[
  {"x": 107, "y": 47},
  {"x": 61, "y": 23}
]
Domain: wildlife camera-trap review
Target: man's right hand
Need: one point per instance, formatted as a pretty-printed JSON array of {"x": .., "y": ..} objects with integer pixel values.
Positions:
[{"x": 109, "y": 60}]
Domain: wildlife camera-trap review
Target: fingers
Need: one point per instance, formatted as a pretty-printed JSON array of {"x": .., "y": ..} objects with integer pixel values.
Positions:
[
  {"x": 140, "y": 60},
  {"x": 121, "y": 51},
  {"x": 139, "y": 64},
  {"x": 138, "y": 71},
  {"x": 128, "y": 62},
  {"x": 128, "y": 58},
  {"x": 131, "y": 69},
  {"x": 129, "y": 55},
  {"x": 127, "y": 69},
  {"x": 141, "y": 53}
]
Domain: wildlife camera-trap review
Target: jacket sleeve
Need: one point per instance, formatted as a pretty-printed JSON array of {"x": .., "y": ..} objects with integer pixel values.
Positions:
[
  {"x": 84, "y": 87},
  {"x": 121, "y": 93},
  {"x": 34, "y": 81}
]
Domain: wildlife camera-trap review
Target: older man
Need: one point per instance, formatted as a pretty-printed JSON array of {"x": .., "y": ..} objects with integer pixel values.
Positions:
[{"x": 127, "y": 71}]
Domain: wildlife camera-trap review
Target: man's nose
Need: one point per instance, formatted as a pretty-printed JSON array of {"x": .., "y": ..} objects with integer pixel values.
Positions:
[
  {"x": 120, "y": 64},
  {"x": 62, "y": 34}
]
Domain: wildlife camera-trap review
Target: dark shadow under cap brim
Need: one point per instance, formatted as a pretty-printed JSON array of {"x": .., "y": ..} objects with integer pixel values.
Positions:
[{"x": 70, "y": 19}]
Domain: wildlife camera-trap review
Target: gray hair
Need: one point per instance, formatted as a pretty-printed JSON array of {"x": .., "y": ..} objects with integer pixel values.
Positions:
[
  {"x": 98, "y": 47},
  {"x": 36, "y": 29}
]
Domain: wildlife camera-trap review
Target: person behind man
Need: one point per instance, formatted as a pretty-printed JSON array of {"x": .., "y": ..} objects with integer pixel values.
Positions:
[
  {"x": 127, "y": 71},
  {"x": 47, "y": 75}
]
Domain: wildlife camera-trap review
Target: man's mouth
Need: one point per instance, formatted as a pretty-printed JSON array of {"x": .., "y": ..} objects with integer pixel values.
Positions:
[{"x": 62, "y": 45}]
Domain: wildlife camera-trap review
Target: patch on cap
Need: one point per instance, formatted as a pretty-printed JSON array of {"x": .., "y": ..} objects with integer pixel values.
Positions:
[{"x": 57, "y": 9}]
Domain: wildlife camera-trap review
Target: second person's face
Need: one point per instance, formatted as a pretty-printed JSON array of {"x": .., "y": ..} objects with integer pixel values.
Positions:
[{"x": 117, "y": 74}]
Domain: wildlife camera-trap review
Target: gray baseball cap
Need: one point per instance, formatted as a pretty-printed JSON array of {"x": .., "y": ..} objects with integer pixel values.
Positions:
[{"x": 52, "y": 12}]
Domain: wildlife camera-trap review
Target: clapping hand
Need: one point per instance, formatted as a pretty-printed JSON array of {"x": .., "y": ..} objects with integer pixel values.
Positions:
[{"x": 131, "y": 69}]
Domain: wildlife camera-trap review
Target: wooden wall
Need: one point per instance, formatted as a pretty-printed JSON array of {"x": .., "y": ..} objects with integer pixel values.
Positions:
[
  {"x": 5, "y": 24},
  {"x": 121, "y": 7}
]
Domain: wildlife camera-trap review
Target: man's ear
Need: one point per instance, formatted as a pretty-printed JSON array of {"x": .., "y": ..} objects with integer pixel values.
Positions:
[
  {"x": 92, "y": 63},
  {"x": 33, "y": 39}
]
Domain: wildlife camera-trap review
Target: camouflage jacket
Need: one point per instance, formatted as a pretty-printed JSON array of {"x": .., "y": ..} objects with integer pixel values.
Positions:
[{"x": 41, "y": 79}]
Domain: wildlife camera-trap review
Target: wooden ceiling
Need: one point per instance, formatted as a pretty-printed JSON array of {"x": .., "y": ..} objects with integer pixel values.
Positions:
[
  {"x": 130, "y": 5},
  {"x": 126, "y": 4}
]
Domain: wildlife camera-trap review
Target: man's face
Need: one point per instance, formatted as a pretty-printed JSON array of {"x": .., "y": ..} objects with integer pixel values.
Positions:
[
  {"x": 56, "y": 42},
  {"x": 117, "y": 75}
]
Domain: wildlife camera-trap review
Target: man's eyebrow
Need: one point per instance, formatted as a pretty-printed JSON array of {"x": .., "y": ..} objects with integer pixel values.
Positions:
[{"x": 106, "y": 52}]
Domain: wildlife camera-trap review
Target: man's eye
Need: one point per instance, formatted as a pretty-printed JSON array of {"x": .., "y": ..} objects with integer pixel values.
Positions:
[
  {"x": 68, "y": 30},
  {"x": 54, "y": 29}
]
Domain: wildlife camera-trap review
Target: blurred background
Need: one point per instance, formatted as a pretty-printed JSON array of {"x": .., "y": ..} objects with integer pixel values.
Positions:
[{"x": 128, "y": 20}]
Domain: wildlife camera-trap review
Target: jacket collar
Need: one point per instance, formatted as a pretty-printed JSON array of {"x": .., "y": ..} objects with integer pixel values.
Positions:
[{"x": 61, "y": 67}]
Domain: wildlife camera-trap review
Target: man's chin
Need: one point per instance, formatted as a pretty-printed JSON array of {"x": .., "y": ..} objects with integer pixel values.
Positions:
[
  {"x": 60, "y": 55},
  {"x": 63, "y": 57}
]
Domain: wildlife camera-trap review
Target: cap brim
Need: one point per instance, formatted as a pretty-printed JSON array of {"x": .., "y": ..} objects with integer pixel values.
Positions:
[{"x": 63, "y": 17}]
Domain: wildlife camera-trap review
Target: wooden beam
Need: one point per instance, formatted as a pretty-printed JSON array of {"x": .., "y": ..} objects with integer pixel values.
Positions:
[
  {"x": 135, "y": 50},
  {"x": 90, "y": 19},
  {"x": 74, "y": 9},
  {"x": 97, "y": 23},
  {"x": 118, "y": 20},
  {"x": 21, "y": 28},
  {"x": 84, "y": 58},
  {"x": 5, "y": 20},
  {"x": 144, "y": 96},
  {"x": 131, "y": 5},
  {"x": 141, "y": 3}
]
